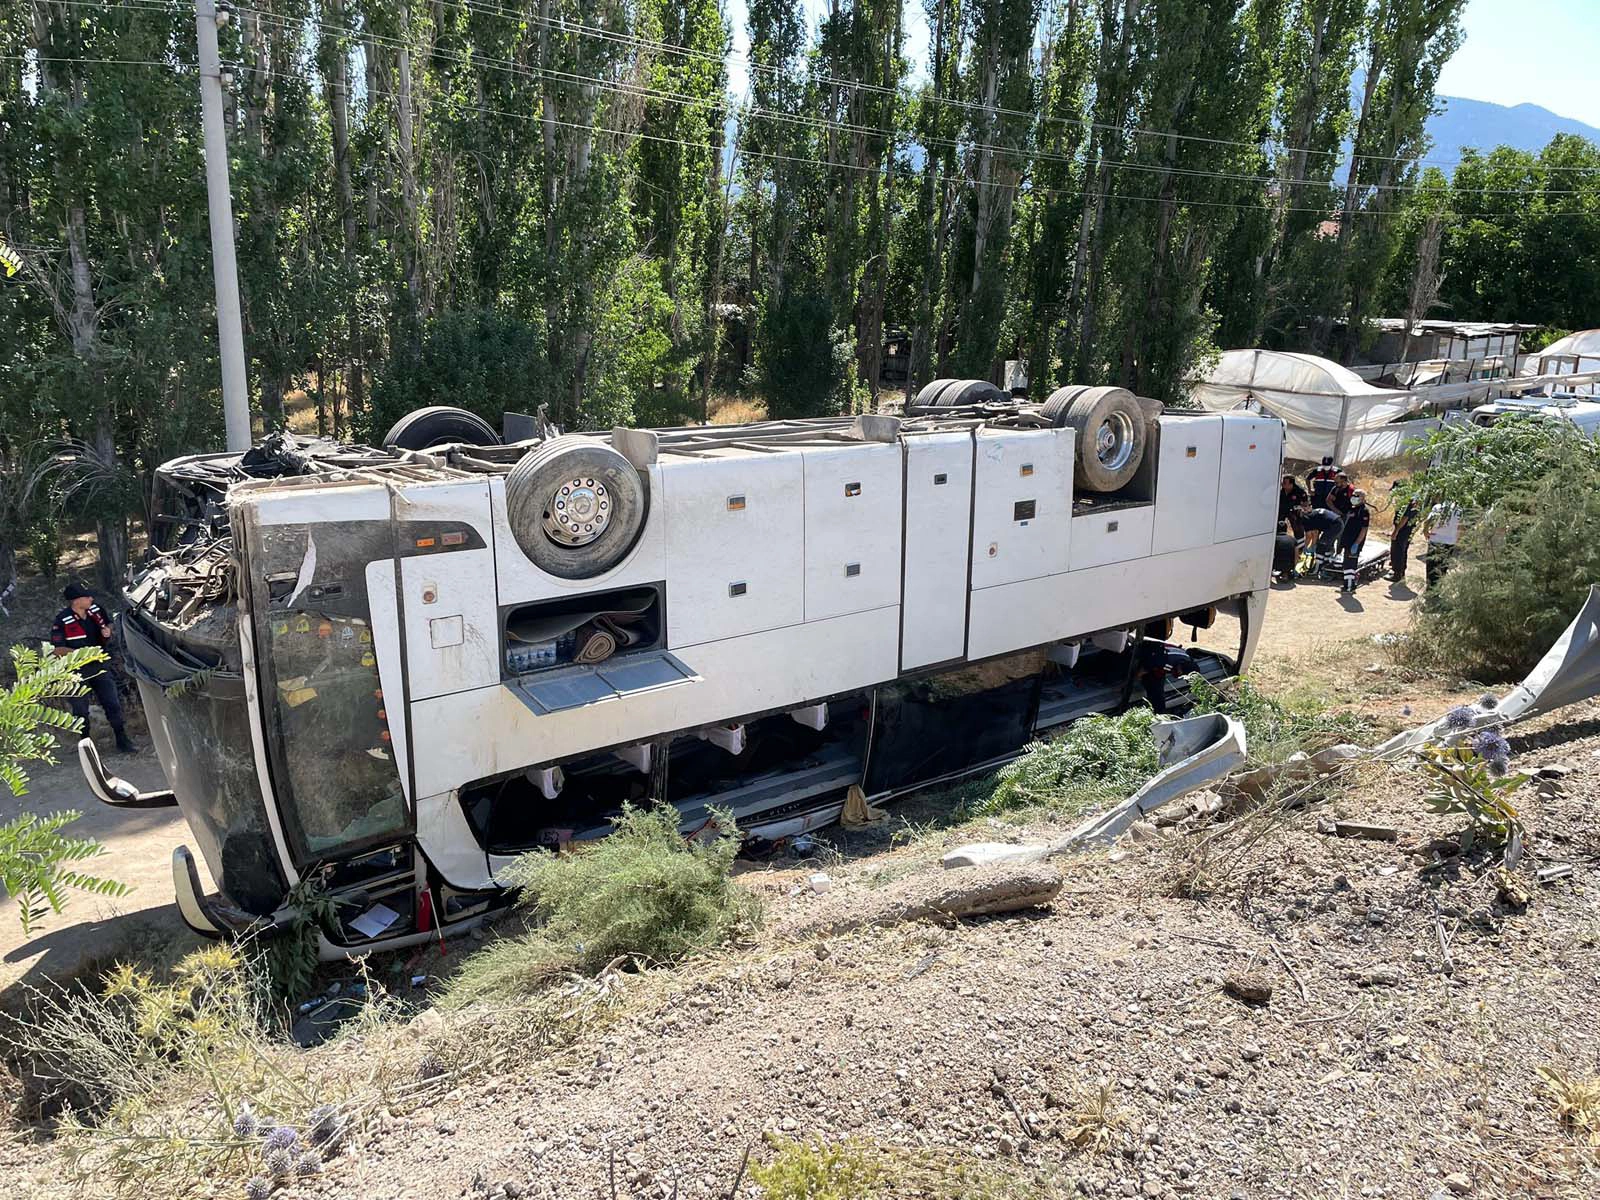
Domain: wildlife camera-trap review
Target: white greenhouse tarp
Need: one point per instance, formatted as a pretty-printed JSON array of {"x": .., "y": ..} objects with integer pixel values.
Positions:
[
  {"x": 1576, "y": 353},
  {"x": 1327, "y": 409}
]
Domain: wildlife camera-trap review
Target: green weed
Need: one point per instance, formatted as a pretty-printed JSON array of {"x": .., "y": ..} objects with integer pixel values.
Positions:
[
  {"x": 644, "y": 893},
  {"x": 1097, "y": 758}
]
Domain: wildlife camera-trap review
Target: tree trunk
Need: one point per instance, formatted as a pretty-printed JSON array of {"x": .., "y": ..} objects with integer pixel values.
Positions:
[
  {"x": 920, "y": 366},
  {"x": 336, "y": 68},
  {"x": 405, "y": 127},
  {"x": 81, "y": 317}
]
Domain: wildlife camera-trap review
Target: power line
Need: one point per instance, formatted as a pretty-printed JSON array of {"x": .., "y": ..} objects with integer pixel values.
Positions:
[
  {"x": 579, "y": 28},
  {"x": 963, "y": 180},
  {"x": 940, "y": 177},
  {"x": 889, "y": 134},
  {"x": 483, "y": 8}
]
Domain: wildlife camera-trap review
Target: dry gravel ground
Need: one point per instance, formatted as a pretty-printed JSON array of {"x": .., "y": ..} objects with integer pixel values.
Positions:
[{"x": 1396, "y": 1056}]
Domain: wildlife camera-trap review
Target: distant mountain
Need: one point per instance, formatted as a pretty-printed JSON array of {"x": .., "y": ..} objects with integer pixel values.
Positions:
[{"x": 1484, "y": 125}]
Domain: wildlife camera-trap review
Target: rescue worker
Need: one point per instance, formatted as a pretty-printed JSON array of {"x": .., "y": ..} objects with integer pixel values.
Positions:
[
  {"x": 1353, "y": 537},
  {"x": 1291, "y": 497},
  {"x": 1443, "y": 528},
  {"x": 1320, "y": 481},
  {"x": 1319, "y": 523},
  {"x": 1341, "y": 497},
  {"x": 83, "y": 623},
  {"x": 1405, "y": 526},
  {"x": 1156, "y": 663}
]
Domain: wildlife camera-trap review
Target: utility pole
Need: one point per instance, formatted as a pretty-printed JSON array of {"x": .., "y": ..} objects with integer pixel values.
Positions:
[{"x": 224, "y": 267}]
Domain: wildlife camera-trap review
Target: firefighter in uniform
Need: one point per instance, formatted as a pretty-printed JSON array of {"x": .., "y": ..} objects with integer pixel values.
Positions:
[{"x": 82, "y": 623}]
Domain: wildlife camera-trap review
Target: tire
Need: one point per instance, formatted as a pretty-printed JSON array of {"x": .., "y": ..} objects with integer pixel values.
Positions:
[
  {"x": 439, "y": 425},
  {"x": 927, "y": 396},
  {"x": 970, "y": 391},
  {"x": 1054, "y": 409},
  {"x": 562, "y": 541},
  {"x": 1112, "y": 433}
]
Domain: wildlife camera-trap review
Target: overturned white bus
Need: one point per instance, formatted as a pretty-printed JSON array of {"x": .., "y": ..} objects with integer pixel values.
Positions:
[{"x": 391, "y": 671}]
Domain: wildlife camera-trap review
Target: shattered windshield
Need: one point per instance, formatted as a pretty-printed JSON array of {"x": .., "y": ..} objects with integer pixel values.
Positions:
[{"x": 327, "y": 719}]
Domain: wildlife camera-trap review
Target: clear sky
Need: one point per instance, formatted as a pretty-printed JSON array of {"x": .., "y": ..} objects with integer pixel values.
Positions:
[{"x": 1544, "y": 52}]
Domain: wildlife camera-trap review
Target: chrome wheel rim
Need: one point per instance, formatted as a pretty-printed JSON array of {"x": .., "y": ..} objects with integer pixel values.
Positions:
[
  {"x": 1113, "y": 441},
  {"x": 579, "y": 511}
]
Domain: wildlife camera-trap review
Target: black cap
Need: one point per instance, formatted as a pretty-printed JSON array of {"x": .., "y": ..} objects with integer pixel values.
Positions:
[{"x": 76, "y": 591}]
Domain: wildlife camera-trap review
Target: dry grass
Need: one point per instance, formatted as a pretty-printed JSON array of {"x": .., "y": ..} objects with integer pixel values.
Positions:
[
  {"x": 1576, "y": 1102},
  {"x": 1092, "y": 1119},
  {"x": 736, "y": 410}
]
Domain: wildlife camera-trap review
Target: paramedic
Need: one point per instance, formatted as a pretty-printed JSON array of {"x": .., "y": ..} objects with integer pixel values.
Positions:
[
  {"x": 1290, "y": 499},
  {"x": 1444, "y": 527},
  {"x": 1320, "y": 481},
  {"x": 1353, "y": 537},
  {"x": 83, "y": 623},
  {"x": 1341, "y": 498},
  {"x": 1319, "y": 523},
  {"x": 1405, "y": 526}
]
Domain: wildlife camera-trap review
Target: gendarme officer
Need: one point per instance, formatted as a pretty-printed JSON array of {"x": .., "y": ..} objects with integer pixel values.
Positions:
[{"x": 82, "y": 623}]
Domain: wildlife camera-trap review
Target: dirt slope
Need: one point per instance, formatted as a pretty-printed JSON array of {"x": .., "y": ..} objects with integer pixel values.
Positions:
[{"x": 1405, "y": 1066}]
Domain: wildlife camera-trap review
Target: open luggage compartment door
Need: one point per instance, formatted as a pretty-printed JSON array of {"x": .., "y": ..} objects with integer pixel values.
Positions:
[{"x": 546, "y": 692}]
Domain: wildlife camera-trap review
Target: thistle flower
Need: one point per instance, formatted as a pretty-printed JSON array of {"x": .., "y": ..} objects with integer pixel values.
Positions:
[
  {"x": 282, "y": 1138},
  {"x": 308, "y": 1164},
  {"x": 279, "y": 1163},
  {"x": 1458, "y": 717},
  {"x": 1491, "y": 745},
  {"x": 1497, "y": 766},
  {"x": 1488, "y": 701},
  {"x": 245, "y": 1124},
  {"x": 259, "y": 1187}
]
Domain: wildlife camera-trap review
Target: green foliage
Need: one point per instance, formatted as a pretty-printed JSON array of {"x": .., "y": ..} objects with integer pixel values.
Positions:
[
  {"x": 1097, "y": 758},
  {"x": 28, "y": 712},
  {"x": 1520, "y": 237},
  {"x": 1522, "y": 572},
  {"x": 482, "y": 359},
  {"x": 858, "y": 1169},
  {"x": 35, "y": 866},
  {"x": 644, "y": 892},
  {"x": 290, "y": 957},
  {"x": 1474, "y": 466},
  {"x": 1272, "y": 730},
  {"x": 35, "y": 858},
  {"x": 1463, "y": 785},
  {"x": 819, "y": 1171},
  {"x": 803, "y": 362},
  {"x": 172, "y": 1078},
  {"x": 44, "y": 547}
]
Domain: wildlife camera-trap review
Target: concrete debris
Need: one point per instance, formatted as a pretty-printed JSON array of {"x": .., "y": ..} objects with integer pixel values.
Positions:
[
  {"x": 983, "y": 854},
  {"x": 1001, "y": 887}
]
